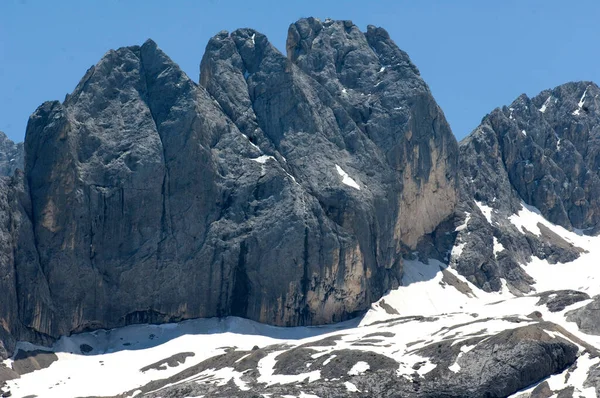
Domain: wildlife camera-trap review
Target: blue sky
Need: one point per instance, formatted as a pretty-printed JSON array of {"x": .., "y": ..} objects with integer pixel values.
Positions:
[{"x": 475, "y": 55}]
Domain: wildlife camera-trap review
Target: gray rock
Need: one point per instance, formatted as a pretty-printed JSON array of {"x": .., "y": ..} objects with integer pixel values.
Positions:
[
  {"x": 593, "y": 379},
  {"x": 28, "y": 361},
  {"x": 587, "y": 317},
  {"x": 383, "y": 93},
  {"x": 557, "y": 301},
  {"x": 498, "y": 366},
  {"x": 538, "y": 152},
  {"x": 6, "y": 374},
  {"x": 11, "y": 156},
  {"x": 172, "y": 361},
  {"x": 502, "y": 364}
]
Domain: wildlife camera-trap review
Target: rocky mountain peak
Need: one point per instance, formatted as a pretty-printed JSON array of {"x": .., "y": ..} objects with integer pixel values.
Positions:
[
  {"x": 537, "y": 154},
  {"x": 11, "y": 155},
  {"x": 548, "y": 145}
]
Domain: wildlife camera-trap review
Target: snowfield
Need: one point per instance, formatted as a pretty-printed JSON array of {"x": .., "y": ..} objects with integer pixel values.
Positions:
[{"x": 434, "y": 305}]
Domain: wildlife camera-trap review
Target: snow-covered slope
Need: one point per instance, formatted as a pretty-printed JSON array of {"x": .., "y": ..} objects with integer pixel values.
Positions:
[{"x": 438, "y": 334}]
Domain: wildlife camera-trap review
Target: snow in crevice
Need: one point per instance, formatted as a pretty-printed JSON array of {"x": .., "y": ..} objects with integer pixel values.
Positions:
[
  {"x": 524, "y": 133},
  {"x": 546, "y": 104},
  {"x": 455, "y": 367},
  {"x": 252, "y": 143},
  {"x": 346, "y": 179},
  {"x": 580, "y": 103},
  {"x": 305, "y": 395},
  {"x": 252, "y": 39},
  {"x": 328, "y": 359},
  {"x": 464, "y": 224},
  {"x": 457, "y": 250},
  {"x": 498, "y": 247},
  {"x": 263, "y": 159},
  {"x": 486, "y": 210}
]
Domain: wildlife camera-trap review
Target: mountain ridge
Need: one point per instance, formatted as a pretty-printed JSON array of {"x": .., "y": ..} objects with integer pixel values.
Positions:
[{"x": 299, "y": 190}]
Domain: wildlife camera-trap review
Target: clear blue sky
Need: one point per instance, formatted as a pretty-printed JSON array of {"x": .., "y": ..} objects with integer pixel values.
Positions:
[{"x": 474, "y": 54}]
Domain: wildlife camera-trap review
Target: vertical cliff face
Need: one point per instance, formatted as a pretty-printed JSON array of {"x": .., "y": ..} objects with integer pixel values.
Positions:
[
  {"x": 281, "y": 189},
  {"x": 314, "y": 126},
  {"x": 382, "y": 91}
]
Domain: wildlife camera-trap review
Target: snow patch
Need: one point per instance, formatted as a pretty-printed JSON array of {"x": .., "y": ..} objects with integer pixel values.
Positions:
[
  {"x": 486, "y": 210},
  {"x": 457, "y": 250},
  {"x": 359, "y": 368},
  {"x": 351, "y": 387},
  {"x": 263, "y": 159},
  {"x": 346, "y": 179},
  {"x": 498, "y": 247},
  {"x": 546, "y": 104},
  {"x": 251, "y": 143},
  {"x": 266, "y": 368},
  {"x": 328, "y": 359},
  {"x": 464, "y": 224},
  {"x": 580, "y": 103},
  {"x": 455, "y": 367}
]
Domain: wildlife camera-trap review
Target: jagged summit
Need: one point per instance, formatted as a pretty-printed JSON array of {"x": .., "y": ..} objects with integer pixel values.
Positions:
[{"x": 549, "y": 148}]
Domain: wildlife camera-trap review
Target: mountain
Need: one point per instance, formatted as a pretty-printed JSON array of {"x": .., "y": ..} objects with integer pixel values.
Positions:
[
  {"x": 298, "y": 225},
  {"x": 540, "y": 154},
  {"x": 270, "y": 191}
]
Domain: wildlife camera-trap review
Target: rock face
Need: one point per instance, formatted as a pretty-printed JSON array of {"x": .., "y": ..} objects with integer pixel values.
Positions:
[
  {"x": 381, "y": 90},
  {"x": 11, "y": 156},
  {"x": 539, "y": 152},
  {"x": 549, "y": 146},
  {"x": 281, "y": 189},
  {"x": 587, "y": 317}
]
